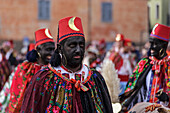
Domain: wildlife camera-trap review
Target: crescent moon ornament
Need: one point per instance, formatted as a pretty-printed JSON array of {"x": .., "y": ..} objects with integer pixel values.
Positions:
[
  {"x": 154, "y": 28},
  {"x": 72, "y": 25},
  {"x": 48, "y": 34}
]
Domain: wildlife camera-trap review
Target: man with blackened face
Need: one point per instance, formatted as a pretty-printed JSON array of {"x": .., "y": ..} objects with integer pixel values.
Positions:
[
  {"x": 36, "y": 59},
  {"x": 67, "y": 85},
  {"x": 73, "y": 51},
  {"x": 150, "y": 81},
  {"x": 158, "y": 47},
  {"x": 45, "y": 52}
]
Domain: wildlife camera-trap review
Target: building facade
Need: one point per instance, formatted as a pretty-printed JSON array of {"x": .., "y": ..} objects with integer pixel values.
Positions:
[
  {"x": 159, "y": 12},
  {"x": 100, "y": 18}
]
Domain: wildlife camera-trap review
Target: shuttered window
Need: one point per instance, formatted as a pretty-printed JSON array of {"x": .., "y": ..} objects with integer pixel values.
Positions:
[
  {"x": 44, "y": 9},
  {"x": 106, "y": 12}
]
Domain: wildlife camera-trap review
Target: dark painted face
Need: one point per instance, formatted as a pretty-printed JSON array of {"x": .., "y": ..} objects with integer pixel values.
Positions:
[
  {"x": 46, "y": 51},
  {"x": 73, "y": 51},
  {"x": 158, "y": 47}
]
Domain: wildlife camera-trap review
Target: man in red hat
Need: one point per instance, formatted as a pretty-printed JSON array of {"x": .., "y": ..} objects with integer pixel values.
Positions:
[
  {"x": 36, "y": 59},
  {"x": 67, "y": 86},
  {"x": 114, "y": 52},
  {"x": 10, "y": 53},
  {"x": 150, "y": 81},
  {"x": 121, "y": 58}
]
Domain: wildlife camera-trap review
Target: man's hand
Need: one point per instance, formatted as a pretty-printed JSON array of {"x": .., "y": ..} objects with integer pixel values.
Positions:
[
  {"x": 152, "y": 107},
  {"x": 162, "y": 96}
]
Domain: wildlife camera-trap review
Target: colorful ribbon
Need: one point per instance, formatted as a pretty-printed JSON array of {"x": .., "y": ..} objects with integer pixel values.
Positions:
[
  {"x": 79, "y": 85},
  {"x": 156, "y": 64}
]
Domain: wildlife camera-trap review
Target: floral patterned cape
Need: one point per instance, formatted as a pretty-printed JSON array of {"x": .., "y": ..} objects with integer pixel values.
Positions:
[
  {"x": 21, "y": 78},
  {"x": 50, "y": 91},
  {"x": 139, "y": 72}
]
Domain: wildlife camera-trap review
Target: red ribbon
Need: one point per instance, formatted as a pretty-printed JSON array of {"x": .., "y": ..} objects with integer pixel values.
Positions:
[
  {"x": 79, "y": 86},
  {"x": 156, "y": 64}
]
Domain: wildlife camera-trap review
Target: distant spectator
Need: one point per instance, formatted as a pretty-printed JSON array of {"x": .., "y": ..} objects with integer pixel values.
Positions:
[
  {"x": 5, "y": 69},
  {"x": 36, "y": 59},
  {"x": 10, "y": 55}
]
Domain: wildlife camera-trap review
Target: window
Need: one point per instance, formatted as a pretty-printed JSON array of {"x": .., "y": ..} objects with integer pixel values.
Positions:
[
  {"x": 157, "y": 11},
  {"x": 106, "y": 12},
  {"x": 44, "y": 9}
]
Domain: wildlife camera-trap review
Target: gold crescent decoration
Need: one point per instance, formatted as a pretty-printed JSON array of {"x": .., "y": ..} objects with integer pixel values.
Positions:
[
  {"x": 72, "y": 25},
  {"x": 48, "y": 34},
  {"x": 154, "y": 28}
]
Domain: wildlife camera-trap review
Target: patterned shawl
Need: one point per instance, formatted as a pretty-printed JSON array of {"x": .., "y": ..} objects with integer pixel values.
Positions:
[
  {"x": 139, "y": 72},
  {"x": 21, "y": 78},
  {"x": 52, "y": 91}
]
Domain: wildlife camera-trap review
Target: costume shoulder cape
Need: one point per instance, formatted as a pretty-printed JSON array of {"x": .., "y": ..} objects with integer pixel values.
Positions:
[
  {"x": 52, "y": 92},
  {"x": 132, "y": 85},
  {"x": 140, "y": 67},
  {"x": 21, "y": 78},
  {"x": 141, "y": 70}
]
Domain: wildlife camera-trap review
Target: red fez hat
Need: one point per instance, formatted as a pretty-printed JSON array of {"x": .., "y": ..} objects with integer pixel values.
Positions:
[
  {"x": 127, "y": 42},
  {"x": 43, "y": 36},
  {"x": 119, "y": 37},
  {"x": 31, "y": 46},
  {"x": 68, "y": 27},
  {"x": 12, "y": 43},
  {"x": 161, "y": 32}
]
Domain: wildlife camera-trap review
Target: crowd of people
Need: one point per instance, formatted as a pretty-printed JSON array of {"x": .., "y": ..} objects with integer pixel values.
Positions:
[{"x": 69, "y": 76}]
